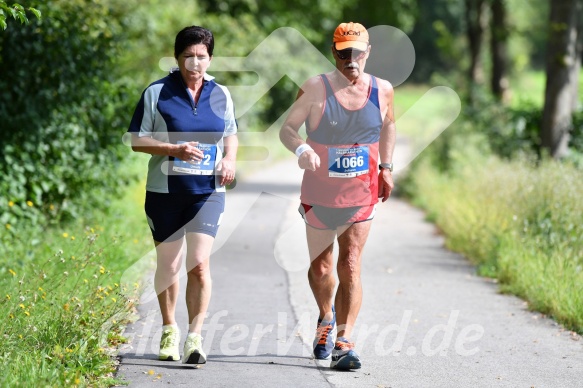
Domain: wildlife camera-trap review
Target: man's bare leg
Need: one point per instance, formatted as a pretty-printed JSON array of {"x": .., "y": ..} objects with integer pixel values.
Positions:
[
  {"x": 348, "y": 299},
  {"x": 321, "y": 272}
]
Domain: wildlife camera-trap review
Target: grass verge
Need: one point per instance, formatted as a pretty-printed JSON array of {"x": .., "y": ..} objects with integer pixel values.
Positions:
[
  {"x": 519, "y": 222},
  {"x": 63, "y": 307}
]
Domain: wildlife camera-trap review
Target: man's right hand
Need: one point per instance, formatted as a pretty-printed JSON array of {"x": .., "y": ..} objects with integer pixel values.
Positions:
[{"x": 309, "y": 160}]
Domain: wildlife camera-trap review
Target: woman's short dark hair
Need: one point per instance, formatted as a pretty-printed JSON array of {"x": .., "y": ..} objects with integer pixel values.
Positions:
[{"x": 193, "y": 35}]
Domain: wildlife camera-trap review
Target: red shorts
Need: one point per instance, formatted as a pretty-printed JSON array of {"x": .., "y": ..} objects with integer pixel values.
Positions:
[{"x": 322, "y": 217}]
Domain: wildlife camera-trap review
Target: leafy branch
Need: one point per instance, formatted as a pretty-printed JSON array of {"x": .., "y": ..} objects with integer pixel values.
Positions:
[{"x": 17, "y": 11}]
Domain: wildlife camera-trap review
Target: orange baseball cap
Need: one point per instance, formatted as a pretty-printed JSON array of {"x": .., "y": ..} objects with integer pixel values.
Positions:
[{"x": 351, "y": 36}]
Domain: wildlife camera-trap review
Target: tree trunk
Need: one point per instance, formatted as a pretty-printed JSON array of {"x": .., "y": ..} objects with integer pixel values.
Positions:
[
  {"x": 475, "y": 22},
  {"x": 561, "y": 60},
  {"x": 578, "y": 57},
  {"x": 499, "y": 51}
]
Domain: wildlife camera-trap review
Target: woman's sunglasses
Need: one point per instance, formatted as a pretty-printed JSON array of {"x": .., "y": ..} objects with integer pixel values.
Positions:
[{"x": 355, "y": 55}]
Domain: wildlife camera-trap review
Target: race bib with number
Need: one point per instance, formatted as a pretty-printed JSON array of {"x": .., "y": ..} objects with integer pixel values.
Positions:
[
  {"x": 206, "y": 166},
  {"x": 347, "y": 162}
]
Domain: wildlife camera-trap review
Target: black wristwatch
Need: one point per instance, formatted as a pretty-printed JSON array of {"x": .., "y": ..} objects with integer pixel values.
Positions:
[{"x": 387, "y": 166}]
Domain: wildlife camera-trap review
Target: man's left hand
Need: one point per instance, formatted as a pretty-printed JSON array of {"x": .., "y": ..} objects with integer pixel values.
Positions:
[{"x": 385, "y": 184}]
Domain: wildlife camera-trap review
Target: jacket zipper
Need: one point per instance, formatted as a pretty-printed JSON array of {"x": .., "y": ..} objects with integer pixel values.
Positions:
[{"x": 191, "y": 98}]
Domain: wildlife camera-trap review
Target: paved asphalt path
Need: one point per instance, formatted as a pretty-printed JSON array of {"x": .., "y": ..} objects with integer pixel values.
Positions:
[{"x": 426, "y": 320}]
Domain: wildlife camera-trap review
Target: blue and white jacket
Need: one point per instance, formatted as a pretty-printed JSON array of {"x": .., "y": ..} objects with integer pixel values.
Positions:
[{"x": 167, "y": 112}]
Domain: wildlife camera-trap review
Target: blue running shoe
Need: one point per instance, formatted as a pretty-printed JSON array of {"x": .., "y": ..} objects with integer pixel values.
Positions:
[
  {"x": 324, "y": 342},
  {"x": 343, "y": 356}
]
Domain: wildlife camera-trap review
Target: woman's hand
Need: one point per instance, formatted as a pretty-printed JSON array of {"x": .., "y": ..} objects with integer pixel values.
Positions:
[
  {"x": 227, "y": 169},
  {"x": 188, "y": 152}
]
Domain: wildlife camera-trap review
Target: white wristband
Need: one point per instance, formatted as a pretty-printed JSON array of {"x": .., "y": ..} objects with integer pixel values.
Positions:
[{"x": 302, "y": 148}]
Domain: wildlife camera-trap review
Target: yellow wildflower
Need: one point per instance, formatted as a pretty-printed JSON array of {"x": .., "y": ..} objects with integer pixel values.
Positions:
[
  {"x": 52, "y": 207},
  {"x": 12, "y": 272},
  {"x": 65, "y": 234},
  {"x": 85, "y": 280},
  {"x": 135, "y": 240},
  {"x": 29, "y": 203},
  {"x": 8, "y": 226},
  {"x": 20, "y": 336},
  {"x": 40, "y": 289},
  {"x": 10, "y": 203},
  {"x": 11, "y": 316},
  {"x": 151, "y": 372},
  {"x": 114, "y": 300},
  {"x": 77, "y": 381},
  {"x": 66, "y": 307},
  {"x": 72, "y": 237},
  {"x": 21, "y": 306},
  {"x": 102, "y": 269},
  {"x": 8, "y": 296},
  {"x": 27, "y": 313}
]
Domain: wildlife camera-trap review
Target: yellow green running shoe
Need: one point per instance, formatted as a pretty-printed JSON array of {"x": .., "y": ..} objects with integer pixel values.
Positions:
[
  {"x": 193, "y": 353},
  {"x": 169, "y": 344}
]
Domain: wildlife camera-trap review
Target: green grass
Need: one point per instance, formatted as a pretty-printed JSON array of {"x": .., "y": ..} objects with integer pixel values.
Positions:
[
  {"x": 62, "y": 304},
  {"x": 529, "y": 87},
  {"x": 406, "y": 96},
  {"x": 518, "y": 222}
]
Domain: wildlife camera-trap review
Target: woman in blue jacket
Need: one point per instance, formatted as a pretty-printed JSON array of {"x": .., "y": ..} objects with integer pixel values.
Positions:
[{"x": 186, "y": 122}]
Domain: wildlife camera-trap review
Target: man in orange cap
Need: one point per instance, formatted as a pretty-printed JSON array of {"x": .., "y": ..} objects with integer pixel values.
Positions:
[{"x": 350, "y": 126}]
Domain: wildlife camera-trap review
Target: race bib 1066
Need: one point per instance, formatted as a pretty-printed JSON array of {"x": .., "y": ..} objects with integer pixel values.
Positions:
[
  {"x": 206, "y": 166},
  {"x": 347, "y": 162}
]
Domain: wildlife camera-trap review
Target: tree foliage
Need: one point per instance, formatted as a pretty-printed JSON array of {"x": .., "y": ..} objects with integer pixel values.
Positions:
[
  {"x": 62, "y": 106},
  {"x": 315, "y": 20},
  {"x": 17, "y": 11},
  {"x": 436, "y": 35}
]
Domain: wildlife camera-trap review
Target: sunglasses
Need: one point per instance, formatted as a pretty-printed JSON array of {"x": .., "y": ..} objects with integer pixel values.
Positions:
[{"x": 355, "y": 55}]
